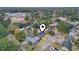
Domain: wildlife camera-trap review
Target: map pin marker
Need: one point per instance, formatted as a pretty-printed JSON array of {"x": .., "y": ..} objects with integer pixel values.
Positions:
[{"x": 42, "y": 27}]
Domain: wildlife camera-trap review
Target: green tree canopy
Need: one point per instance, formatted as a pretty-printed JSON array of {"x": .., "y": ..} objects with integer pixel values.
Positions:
[
  {"x": 20, "y": 36},
  {"x": 26, "y": 18},
  {"x": 64, "y": 27},
  {"x": 3, "y": 30},
  {"x": 77, "y": 43},
  {"x": 6, "y": 22},
  {"x": 51, "y": 33},
  {"x": 6, "y": 45},
  {"x": 35, "y": 32}
]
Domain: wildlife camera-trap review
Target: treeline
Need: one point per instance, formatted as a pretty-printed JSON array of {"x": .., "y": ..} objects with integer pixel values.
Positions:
[{"x": 32, "y": 9}]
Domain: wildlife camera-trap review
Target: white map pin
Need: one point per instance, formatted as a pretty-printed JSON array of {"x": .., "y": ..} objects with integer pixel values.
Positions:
[{"x": 42, "y": 27}]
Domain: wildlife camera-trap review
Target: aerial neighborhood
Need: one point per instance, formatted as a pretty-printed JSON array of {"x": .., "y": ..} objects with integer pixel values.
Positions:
[{"x": 20, "y": 29}]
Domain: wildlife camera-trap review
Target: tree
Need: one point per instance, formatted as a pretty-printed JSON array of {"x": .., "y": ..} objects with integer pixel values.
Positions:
[
  {"x": 26, "y": 18},
  {"x": 35, "y": 15},
  {"x": 20, "y": 36},
  {"x": 3, "y": 30},
  {"x": 77, "y": 43},
  {"x": 74, "y": 17},
  {"x": 6, "y": 22},
  {"x": 6, "y": 45},
  {"x": 36, "y": 25},
  {"x": 35, "y": 32},
  {"x": 51, "y": 33},
  {"x": 1, "y": 16},
  {"x": 45, "y": 21},
  {"x": 64, "y": 27}
]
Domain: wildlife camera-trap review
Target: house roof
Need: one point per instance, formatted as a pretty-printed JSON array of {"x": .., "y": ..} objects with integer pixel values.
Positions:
[
  {"x": 67, "y": 44},
  {"x": 32, "y": 39},
  {"x": 42, "y": 33}
]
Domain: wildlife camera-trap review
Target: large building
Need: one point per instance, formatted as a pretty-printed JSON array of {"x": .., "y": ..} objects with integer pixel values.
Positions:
[{"x": 16, "y": 17}]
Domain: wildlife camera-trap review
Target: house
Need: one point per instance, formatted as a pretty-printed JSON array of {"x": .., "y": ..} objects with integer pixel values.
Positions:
[
  {"x": 32, "y": 40},
  {"x": 68, "y": 42},
  {"x": 42, "y": 34},
  {"x": 15, "y": 17},
  {"x": 70, "y": 36},
  {"x": 62, "y": 18},
  {"x": 15, "y": 14}
]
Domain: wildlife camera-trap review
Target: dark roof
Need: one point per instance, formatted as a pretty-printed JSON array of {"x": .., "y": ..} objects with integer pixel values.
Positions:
[
  {"x": 42, "y": 33},
  {"x": 70, "y": 38},
  {"x": 67, "y": 44}
]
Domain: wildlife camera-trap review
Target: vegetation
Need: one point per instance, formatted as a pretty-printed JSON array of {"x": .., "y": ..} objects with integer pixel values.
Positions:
[
  {"x": 3, "y": 30},
  {"x": 31, "y": 26},
  {"x": 35, "y": 15},
  {"x": 6, "y": 45},
  {"x": 51, "y": 33},
  {"x": 26, "y": 18},
  {"x": 64, "y": 27},
  {"x": 36, "y": 25},
  {"x": 74, "y": 16},
  {"x": 77, "y": 43},
  {"x": 35, "y": 32},
  {"x": 20, "y": 36},
  {"x": 6, "y": 22}
]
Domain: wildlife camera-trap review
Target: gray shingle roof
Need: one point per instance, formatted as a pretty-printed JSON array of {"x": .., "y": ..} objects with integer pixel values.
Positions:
[{"x": 33, "y": 40}]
